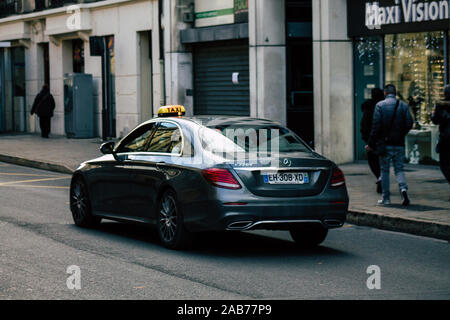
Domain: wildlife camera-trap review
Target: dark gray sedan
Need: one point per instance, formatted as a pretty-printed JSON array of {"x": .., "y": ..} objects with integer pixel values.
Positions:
[{"x": 189, "y": 175}]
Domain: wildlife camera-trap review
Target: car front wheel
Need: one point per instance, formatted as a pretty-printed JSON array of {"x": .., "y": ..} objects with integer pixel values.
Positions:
[
  {"x": 80, "y": 205},
  {"x": 171, "y": 229},
  {"x": 309, "y": 236}
]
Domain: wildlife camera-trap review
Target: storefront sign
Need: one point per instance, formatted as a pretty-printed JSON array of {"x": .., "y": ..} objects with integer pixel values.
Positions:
[
  {"x": 368, "y": 17},
  {"x": 212, "y": 13},
  {"x": 219, "y": 12}
]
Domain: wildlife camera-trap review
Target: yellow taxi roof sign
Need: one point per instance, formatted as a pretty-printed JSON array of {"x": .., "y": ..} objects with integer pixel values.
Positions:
[{"x": 171, "y": 111}]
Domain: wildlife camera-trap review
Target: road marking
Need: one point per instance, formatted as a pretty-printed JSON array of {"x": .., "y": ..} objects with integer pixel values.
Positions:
[
  {"x": 34, "y": 180},
  {"x": 31, "y": 186},
  {"x": 27, "y": 174}
]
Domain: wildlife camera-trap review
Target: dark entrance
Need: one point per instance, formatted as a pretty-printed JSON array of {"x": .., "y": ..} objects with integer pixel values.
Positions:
[
  {"x": 46, "y": 59},
  {"x": 299, "y": 58}
]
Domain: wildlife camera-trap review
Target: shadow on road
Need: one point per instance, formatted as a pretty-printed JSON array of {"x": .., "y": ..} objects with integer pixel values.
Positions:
[{"x": 222, "y": 244}]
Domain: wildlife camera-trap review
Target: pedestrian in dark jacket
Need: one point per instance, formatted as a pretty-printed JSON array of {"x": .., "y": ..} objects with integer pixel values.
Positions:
[
  {"x": 43, "y": 106},
  {"x": 392, "y": 121},
  {"x": 368, "y": 108},
  {"x": 441, "y": 116}
]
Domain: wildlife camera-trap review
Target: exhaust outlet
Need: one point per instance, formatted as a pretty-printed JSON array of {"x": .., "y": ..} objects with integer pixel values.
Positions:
[
  {"x": 333, "y": 223},
  {"x": 240, "y": 225}
]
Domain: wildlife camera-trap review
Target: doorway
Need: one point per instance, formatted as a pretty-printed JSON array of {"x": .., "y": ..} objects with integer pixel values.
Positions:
[
  {"x": 367, "y": 59},
  {"x": 300, "y": 113},
  {"x": 299, "y": 58},
  {"x": 145, "y": 69}
]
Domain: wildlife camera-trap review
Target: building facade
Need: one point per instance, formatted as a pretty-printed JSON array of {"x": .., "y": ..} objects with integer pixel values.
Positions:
[
  {"x": 308, "y": 64},
  {"x": 44, "y": 41},
  {"x": 285, "y": 60},
  {"x": 406, "y": 44}
]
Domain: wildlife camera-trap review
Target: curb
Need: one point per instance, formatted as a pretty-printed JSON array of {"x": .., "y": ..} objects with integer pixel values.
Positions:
[
  {"x": 397, "y": 224},
  {"x": 36, "y": 164}
]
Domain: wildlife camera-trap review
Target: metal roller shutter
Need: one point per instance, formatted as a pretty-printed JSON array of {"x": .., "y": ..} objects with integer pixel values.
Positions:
[{"x": 215, "y": 93}]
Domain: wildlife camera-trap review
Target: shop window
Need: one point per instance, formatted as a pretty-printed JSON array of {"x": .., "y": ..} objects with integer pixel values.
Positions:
[
  {"x": 415, "y": 64},
  {"x": 78, "y": 55}
]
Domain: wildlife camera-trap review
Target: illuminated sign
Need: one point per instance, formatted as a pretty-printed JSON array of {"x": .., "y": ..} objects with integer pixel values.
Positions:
[{"x": 397, "y": 16}]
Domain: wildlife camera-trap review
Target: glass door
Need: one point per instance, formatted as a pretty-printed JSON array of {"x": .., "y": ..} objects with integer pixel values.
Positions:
[{"x": 368, "y": 57}]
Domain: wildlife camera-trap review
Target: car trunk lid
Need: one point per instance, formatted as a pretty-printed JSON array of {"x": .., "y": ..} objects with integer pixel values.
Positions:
[{"x": 294, "y": 176}]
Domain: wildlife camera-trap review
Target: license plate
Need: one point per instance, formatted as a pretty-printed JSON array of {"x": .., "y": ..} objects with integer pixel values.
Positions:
[{"x": 286, "y": 178}]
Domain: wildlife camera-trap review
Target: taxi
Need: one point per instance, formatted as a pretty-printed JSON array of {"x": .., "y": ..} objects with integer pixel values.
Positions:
[{"x": 186, "y": 175}]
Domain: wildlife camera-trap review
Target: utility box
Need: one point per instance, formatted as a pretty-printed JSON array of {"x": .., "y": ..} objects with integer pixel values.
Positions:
[{"x": 78, "y": 105}]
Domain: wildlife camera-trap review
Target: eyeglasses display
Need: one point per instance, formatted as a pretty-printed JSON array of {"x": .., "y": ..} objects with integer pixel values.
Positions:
[{"x": 414, "y": 63}]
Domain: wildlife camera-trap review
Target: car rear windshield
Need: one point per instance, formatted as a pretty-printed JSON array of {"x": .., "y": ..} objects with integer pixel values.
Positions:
[{"x": 251, "y": 139}]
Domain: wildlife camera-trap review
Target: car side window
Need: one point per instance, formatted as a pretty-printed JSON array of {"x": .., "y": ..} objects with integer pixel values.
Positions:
[
  {"x": 167, "y": 139},
  {"x": 138, "y": 140}
]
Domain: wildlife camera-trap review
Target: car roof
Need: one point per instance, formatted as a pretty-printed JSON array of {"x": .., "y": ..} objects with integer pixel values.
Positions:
[{"x": 215, "y": 121}]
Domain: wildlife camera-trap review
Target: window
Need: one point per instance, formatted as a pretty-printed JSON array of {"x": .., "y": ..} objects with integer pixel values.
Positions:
[
  {"x": 415, "y": 65},
  {"x": 78, "y": 55},
  {"x": 226, "y": 140},
  {"x": 138, "y": 140},
  {"x": 167, "y": 139}
]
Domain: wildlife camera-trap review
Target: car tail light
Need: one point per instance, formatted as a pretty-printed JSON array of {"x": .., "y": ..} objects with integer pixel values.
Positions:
[
  {"x": 338, "y": 179},
  {"x": 235, "y": 203},
  {"x": 221, "y": 178}
]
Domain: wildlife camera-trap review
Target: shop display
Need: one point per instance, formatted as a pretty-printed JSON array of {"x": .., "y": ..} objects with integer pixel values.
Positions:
[{"x": 415, "y": 64}]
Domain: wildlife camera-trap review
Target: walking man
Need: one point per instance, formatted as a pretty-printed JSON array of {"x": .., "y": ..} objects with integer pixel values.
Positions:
[
  {"x": 43, "y": 106},
  {"x": 392, "y": 121}
]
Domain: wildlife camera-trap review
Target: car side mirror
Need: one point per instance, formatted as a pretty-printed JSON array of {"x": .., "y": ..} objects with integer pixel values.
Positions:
[{"x": 107, "y": 148}]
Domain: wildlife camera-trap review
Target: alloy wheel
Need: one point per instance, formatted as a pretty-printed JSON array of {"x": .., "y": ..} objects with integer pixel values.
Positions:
[
  {"x": 79, "y": 201},
  {"x": 168, "y": 218}
]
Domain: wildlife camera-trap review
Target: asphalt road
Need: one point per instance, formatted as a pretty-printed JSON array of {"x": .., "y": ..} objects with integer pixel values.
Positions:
[{"x": 38, "y": 242}]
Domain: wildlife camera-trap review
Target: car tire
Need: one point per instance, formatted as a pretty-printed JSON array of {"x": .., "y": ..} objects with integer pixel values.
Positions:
[
  {"x": 170, "y": 223},
  {"x": 309, "y": 236},
  {"x": 80, "y": 205}
]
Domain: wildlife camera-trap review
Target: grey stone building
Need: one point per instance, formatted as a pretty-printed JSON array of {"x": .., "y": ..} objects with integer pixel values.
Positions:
[{"x": 287, "y": 60}]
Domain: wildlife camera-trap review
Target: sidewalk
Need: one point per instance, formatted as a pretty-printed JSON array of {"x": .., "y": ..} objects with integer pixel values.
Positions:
[{"x": 428, "y": 215}]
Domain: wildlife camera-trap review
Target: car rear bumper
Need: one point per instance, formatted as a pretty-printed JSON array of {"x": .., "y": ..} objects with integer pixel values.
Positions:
[{"x": 266, "y": 214}]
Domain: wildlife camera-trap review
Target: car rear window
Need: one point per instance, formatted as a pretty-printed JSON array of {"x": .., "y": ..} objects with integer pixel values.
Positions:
[{"x": 251, "y": 139}]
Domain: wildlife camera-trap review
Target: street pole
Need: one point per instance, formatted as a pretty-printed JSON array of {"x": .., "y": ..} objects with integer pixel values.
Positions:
[{"x": 105, "y": 122}]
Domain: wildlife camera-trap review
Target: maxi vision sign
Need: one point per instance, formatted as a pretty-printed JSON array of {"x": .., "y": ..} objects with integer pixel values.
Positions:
[{"x": 396, "y": 16}]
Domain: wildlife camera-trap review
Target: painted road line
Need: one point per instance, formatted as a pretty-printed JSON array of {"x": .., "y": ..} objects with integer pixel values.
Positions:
[
  {"x": 28, "y": 174},
  {"x": 34, "y": 180},
  {"x": 31, "y": 186}
]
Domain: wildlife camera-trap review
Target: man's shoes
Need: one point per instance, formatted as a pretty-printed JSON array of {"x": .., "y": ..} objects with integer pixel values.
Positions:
[
  {"x": 379, "y": 187},
  {"x": 384, "y": 202},
  {"x": 405, "y": 198}
]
